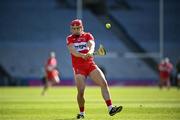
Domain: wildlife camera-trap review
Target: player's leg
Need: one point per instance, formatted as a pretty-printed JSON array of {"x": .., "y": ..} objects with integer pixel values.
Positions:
[
  {"x": 46, "y": 86},
  {"x": 168, "y": 83},
  {"x": 50, "y": 79},
  {"x": 98, "y": 77},
  {"x": 80, "y": 84},
  {"x": 161, "y": 82},
  {"x": 55, "y": 80},
  {"x": 55, "y": 76},
  {"x": 178, "y": 83}
]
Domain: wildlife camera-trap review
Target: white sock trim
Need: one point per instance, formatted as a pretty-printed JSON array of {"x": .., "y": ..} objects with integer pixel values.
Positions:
[
  {"x": 110, "y": 107},
  {"x": 82, "y": 113}
]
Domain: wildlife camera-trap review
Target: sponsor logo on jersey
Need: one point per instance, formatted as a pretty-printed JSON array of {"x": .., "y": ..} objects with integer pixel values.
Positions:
[{"x": 80, "y": 46}]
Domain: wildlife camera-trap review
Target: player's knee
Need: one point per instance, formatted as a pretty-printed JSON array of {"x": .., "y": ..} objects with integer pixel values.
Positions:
[
  {"x": 104, "y": 84},
  {"x": 81, "y": 92}
]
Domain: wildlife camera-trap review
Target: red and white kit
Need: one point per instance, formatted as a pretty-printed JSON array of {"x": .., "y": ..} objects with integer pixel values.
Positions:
[
  {"x": 80, "y": 65},
  {"x": 51, "y": 71},
  {"x": 165, "y": 70}
]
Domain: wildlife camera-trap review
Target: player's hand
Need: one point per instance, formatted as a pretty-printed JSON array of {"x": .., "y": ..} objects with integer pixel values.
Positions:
[
  {"x": 88, "y": 55},
  {"x": 84, "y": 56}
]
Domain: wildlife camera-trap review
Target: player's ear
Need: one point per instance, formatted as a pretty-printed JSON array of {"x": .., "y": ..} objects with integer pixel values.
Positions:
[{"x": 82, "y": 28}]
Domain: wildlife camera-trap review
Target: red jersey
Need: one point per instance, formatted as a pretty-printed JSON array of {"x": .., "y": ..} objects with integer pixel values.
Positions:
[
  {"x": 165, "y": 69},
  {"x": 51, "y": 64},
  {"x": 80, "y": 44},
  {"x": 51, "y": 72}
]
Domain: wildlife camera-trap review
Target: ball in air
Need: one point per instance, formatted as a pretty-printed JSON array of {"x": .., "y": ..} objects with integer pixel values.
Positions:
[{"x": 108, "y": 25}]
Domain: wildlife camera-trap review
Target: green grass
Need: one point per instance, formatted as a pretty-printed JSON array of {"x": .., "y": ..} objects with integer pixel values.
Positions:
[{"x": 140, "y": 103}]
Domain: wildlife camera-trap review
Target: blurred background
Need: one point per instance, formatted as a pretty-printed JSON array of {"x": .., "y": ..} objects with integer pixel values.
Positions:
[{"x": 142, "y": 33}]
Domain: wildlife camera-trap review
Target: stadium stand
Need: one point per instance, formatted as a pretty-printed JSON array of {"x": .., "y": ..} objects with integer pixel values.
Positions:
[
  {"x": 141, "y": 25},
  {"x": 171, "y": 29},
  {"x": 30, "y": 31},
  {"x": 141, "y": 22}
]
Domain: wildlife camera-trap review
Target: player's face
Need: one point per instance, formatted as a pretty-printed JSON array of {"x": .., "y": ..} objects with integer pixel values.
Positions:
[{"x": 76, "y": 30}]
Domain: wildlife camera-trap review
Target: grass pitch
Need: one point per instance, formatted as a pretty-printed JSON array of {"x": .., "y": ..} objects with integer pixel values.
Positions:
[{"x": 140, "y": 103}]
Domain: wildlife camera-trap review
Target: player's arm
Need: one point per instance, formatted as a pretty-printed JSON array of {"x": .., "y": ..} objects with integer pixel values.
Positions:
[
  {"x": 51, "y": 67},
  {"x": 74, "y": 52},
  {"x": 91, "y": 45}
]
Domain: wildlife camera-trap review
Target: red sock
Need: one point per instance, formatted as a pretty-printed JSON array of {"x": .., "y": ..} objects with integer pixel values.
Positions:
[
  {"x": 108, "y": 102},
  {"x": 81, "y": 109}
]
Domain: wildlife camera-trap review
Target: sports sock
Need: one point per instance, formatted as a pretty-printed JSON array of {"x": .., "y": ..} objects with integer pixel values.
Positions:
[
  {"x": 109, "y": 104},
  {"x": 82, "y": 110}
]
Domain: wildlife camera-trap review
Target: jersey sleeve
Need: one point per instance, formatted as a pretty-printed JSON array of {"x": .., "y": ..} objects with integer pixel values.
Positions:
[
  {"x": 89, "y": 36},
  {"x": 69, "y": 40}
]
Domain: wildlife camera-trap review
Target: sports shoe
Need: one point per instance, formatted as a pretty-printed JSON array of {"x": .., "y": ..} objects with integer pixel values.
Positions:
[
  {"x": 79, "y": 116},
  {"x": 115, "y": 110}
]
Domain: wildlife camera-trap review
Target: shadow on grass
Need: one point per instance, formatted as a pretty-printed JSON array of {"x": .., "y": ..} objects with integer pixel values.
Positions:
[{"x": 66, "y": 119}]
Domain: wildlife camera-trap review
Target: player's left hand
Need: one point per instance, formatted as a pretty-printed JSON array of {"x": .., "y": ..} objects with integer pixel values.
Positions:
[{"x": 88, "y": 55}]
